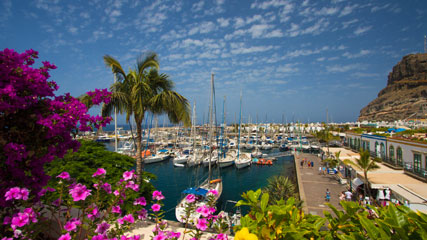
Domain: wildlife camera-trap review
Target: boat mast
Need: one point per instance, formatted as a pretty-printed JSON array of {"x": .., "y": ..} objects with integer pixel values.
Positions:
[
  {"x": 115, "y": 123},
  {"x": 210, "y": 128},
  {"x": 240, "y": 126}
]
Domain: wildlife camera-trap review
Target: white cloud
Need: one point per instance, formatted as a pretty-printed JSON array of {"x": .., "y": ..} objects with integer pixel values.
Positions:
[
  {"x": 223, "y": 22},
  {"x": 197, "y": 6},
  {"x": 204, "y": 27},
  {"x": 362, "y": 30},
  {"x": 378, "y": 8},
  {"x": 72, "y": 30},
  {"x": 347, "y": 10},
  {"x": 258, "y": 30},
  {"x": 239, "y": 22},
  {"x": 241, "y": 49},
  {"x": 287, "y": 68},
  {"x": 348, "y": 23},
  {"x": 362, "y": 53},
  {"x": 326, "y": 11},
  {"x": 268, "y": 4},
  {"x": 316, "y": 29},
  {"x": 342, "y": 68}
]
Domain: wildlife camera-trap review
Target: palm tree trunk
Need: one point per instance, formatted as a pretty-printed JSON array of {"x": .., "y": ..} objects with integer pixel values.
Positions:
[
  {"x": 138, "y": 148},
  {"x": 365, "y": 185}
]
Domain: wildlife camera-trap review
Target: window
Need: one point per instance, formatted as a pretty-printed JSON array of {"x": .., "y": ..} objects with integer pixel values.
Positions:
[
  {"x": 382, "y": 150},
  {"x": 376, "y": 150},
  {"x": 399, "y": 155},
  {"x": 417, "y": 162},
  {"x": 368, "y": 147},
  {"x": 391, "y": 153}
]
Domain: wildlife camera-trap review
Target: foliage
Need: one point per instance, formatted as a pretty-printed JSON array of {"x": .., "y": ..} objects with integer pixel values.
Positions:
[
  {"x": 280, "y": 188},
  {"x": 93, "y": 155},
  {"x": 36, "y": 125},
  {"x": 391, "y": 222},
  {"x": 334, "y": 161},
  {"x": 277, "y": 221},
  {"x": 143, "y": 90},
  {"x": 284, "y": 221}
]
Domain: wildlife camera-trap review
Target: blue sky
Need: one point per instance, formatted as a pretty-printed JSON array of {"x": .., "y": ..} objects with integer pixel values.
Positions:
[{"x": 296, "y": 58}]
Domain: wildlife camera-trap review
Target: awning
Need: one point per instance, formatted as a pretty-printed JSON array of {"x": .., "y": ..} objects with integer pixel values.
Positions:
[
  {"x": 196, "y": 191},
  {"x": 355, "y": 183}
]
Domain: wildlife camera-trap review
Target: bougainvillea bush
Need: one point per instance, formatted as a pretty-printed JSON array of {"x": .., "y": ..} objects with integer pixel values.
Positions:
[{"x": 36, "y": 125}]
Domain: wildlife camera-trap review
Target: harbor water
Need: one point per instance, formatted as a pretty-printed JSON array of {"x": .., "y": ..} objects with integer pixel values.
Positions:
[{"x": 173, "y": 180}]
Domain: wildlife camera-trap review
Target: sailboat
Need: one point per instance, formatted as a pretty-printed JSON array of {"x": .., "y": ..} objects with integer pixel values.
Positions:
[
  {"x": 243, "y": 160},
  {"x": 200, "y": 192}
]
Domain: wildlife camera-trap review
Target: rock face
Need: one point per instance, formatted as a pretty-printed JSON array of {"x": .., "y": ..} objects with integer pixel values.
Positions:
[{"x": 405, "y": 95}]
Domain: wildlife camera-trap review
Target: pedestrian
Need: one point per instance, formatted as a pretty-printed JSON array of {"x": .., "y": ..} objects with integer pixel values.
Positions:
[
  {"x": 328, "y": 195},
  {"x": 308, "y": 164},
  {"x": 320, "y": 170},
  {"x": 312, "y": 164},
  {"x": 342, "y": 196},
  {"x": 348, "y": 195},
  {"x": 302, "y": 163},
  {"x": 324, "y": 170}
]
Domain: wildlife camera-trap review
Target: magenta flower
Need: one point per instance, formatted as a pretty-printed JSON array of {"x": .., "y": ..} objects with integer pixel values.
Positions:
[
  {"x": 65, "y": 237},
  {"x": 107, "y": 187},
  {"x": 13, "y": 193},
  {"x": 99, "y": 237},
  {"x": 155, "y": 207},
  {"x": 79, "y": 192},
  {"x": 190, "y": 198},
  {"x": 221, "y": 236},
  {"x": 213, "y": 192},
  {"x": 32, "y": 215},
  {"x": 24, "y": 193},
  {"x": 204, "y": 210},
  {"x": 160, "y": 236},
  {"x": 173, "y": 234},
  {"x": 129, "y": 218},
  {"x": 142, "y": 214},
  {"x": 120, "y": 221},
  {"x": 140, "y": 201},
  {"x": 128, "y": 175},
  {"x": 132, "y": 185},
  {"x": 116, "y": 209},
  {"x": 20, "y": 220},
  {"x": 157, "y": 195},
  {"x": 202, "y": 224},
  {"x": 116, "y": 193},
  {"x": 102, "y": 228},
  {"x": 99, "y": 172},
  {"x": 93, "y": 214},
  {"x": 64, "y": 175},
  {"x": 70, "y": 226}
]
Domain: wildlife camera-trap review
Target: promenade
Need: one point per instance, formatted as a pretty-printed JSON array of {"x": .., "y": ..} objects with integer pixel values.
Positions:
[{"x": 312, "y": 186}]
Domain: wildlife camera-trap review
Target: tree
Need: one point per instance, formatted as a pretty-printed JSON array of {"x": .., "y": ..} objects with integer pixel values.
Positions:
[
  {"x": 365, "y": 163},
  {"x": 144, "y": 90},
  {"x": 280, "y": 187},
  {"x": 333, "y": 162}
]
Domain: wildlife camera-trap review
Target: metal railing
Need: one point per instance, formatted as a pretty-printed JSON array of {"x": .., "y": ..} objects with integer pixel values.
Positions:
[{"x": 421, "y": 172}]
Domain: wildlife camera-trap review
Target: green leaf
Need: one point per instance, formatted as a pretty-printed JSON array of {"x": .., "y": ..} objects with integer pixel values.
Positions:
[{"x": 264, "y": 201}]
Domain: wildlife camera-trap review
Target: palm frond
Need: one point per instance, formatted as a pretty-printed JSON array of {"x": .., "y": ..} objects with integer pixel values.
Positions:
[
  {"x": 115, "y": 66},
  {"x": 147, "y": 60},
  {"x": 86, "y": 100}
]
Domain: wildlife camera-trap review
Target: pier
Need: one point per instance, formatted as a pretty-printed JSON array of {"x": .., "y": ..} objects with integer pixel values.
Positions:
[{"x": 312, "y": 186}]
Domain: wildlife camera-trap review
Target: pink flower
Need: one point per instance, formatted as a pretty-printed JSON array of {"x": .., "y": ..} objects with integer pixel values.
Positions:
[
  {"x": 102, "y": 228},
  {"x": 70, "y": 226},
  {"x": 160, "y": 236},
  {"x": 172, "y": 234},
  {"x": 142, "y": 214},
  {"x": 190, "y": 198},
  {"x": 133, "y": 185},
  {"x": 32, "y": 215},
  {"x": 79, "y": 192},
  {"x": 157, "y": 195},
  {"x": 221, "y": 236},
  {"x": 120, "y": 221},
  {"x": 24, "y": 193},
  {"x": 65, "y": 237},
  {"x": 116, "y": 193},
  {"x": 13, "y": 193},
  {"x": 155, "y": 207},
  {"x": 202, "y": 224},
  {"x": 99, "y": 237},
  {"x": 64, "y": 175},
  {"x": 128, "y": 175},
  {"x": 99, "y": 172},
  {"x": 20, "y": 220},
  {"x": 107, "y": 187},
  {"x": 204, "y": 210},
  {"x": 116, "y": 209},
  {"x": 213, "y": 192},
  {"x": 129, "y": 218},
  {"x": 140, "y": 201},
  {"x": 93, "y": 214}
]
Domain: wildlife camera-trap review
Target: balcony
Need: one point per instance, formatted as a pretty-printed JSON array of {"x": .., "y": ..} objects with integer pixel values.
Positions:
[
  {"x": 419, "y": 173},
  {"x": 393, "y": 163}
]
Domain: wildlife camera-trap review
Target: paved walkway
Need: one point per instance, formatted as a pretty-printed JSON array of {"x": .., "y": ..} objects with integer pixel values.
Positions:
[{"x": 313, "y": 186}]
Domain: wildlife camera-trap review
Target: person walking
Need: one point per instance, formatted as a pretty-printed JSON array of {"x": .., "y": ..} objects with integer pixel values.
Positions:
[
  {"x": 320, "y": 170},
  {"x": 328, "y": 195},
  {"x": 312, "y": 164},
  {"x": 348, "y": 195}
]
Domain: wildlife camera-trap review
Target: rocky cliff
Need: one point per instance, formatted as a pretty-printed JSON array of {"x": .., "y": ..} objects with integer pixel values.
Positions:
[{"x": 405, "y": 94}]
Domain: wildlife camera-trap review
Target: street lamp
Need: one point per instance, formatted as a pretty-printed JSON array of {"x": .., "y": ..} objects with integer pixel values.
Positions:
[{"x": 351, "y": 189}]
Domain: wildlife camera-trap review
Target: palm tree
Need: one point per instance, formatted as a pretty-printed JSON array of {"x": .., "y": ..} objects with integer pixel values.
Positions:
[
  {"x": 280, "y": 187},
  {"x": 144, "y": 90},
  {"x": 333, "y": 162},
  {"x": 365, "y": 163}
]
